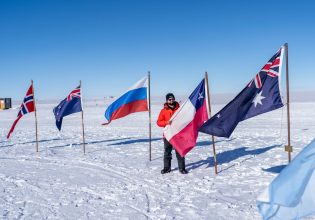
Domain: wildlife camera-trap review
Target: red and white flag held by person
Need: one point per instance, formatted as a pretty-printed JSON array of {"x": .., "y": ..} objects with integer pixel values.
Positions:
[{"x": 182, "y": 132}]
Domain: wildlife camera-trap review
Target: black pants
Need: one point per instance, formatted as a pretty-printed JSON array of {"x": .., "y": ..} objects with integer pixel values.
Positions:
[{"x": 168, "y": 156}]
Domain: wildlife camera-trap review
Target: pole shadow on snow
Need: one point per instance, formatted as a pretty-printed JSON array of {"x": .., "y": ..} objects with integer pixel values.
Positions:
[
  {"x": 31, "y": 142},
  {"x": 228, "y": 156},
  {"x": 141, "y": 140},
  {"x": 91, "y": 142},
  {"x": 275, "y": 169},
  {"x": 9, "y": 145},
  {"x": 157, "y": 158}
]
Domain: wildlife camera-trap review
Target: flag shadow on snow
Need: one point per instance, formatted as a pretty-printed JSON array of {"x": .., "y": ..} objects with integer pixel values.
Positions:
[
  {"x": 228, "y": 156},
  {"x": 275, "y": 169},
  {"x": 209, "y": 143},
  {"x": 141, "y": 140},
  {"x": 31, "y": 142},
  {"x": 91, "y": 142},
  {"x": 201, "y": 144}
]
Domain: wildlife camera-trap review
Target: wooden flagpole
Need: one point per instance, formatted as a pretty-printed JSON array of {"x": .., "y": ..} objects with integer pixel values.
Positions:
[
  {"x": 149, "y": 100},
  {"x": 36, "y": 130},
  {"x": 83, "y": 137},
  {"x": 288, "y": 148},
  {"x": 213, "y": 141}
]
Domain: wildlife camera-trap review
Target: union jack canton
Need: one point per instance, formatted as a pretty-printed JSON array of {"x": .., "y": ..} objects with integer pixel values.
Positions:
[
  {"x": 271, "y": 69},
  {"x": 76, "y": 93}
]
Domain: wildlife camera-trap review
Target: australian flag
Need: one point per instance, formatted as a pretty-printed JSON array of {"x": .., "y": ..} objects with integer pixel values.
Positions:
[
  {"x": 71, "y": 104},
  {"x": 261, "y": 95}
]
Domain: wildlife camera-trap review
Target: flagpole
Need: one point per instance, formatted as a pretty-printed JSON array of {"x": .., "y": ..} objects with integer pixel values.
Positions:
[
  {"x": 213, "y": 141},
  {"x": 35, "y": 111},
  {"x": 83, "y": 137},
  {"x": 149, "y": 99},
  {"x": 288, "y": 148}
]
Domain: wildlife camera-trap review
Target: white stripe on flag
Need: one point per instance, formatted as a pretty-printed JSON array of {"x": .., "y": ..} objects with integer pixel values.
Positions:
[
  {"x": 140, "y": 84},
  {"x": 183, "y": 117}
]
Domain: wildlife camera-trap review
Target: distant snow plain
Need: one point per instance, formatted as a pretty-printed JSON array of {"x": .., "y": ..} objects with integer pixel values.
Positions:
[{"x": 116, "y": 180}]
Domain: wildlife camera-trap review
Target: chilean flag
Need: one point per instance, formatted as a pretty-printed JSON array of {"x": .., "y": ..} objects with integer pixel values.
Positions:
[
  {"x": 134, "y": 100},
  {"x": 182, "y": 133}
]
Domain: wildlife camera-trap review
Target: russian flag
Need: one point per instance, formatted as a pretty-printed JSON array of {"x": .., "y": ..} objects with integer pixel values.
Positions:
[
  {"x": 134, "y": 100},
  {"x": 183, "y": 131}
]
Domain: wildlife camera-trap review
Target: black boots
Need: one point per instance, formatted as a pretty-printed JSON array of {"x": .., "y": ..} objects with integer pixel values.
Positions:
[
  {"x": 166, "y": 170},
  {"x": 168, "y": 158},
  {"x": 183, "y": 171}
]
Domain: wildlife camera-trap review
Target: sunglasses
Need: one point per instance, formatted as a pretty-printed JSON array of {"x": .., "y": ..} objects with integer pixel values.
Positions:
[{"x": 171, "y": 99}]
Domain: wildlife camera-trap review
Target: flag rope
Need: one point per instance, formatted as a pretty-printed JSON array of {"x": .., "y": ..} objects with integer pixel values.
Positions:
[{"x": 281, "y": 126}]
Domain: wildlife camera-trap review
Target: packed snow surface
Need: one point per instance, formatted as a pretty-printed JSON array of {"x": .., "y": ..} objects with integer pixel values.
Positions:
[{"x": 116, "y": 180}]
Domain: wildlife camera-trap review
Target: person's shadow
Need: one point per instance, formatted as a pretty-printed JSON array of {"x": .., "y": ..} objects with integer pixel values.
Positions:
[{"x": 228, "y": 156}]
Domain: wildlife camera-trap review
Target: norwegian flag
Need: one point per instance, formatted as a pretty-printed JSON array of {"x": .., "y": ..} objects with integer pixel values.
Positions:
[{"x": 27, "y": 106}]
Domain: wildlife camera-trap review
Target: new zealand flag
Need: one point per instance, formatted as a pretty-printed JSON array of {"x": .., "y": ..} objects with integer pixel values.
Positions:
[
  {"x": 261, "y": 95},
  {"x": 69, "y": 105}
]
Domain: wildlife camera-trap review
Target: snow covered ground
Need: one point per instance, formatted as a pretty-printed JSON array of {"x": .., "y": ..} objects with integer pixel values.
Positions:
[{"x": 116, "y": 180}]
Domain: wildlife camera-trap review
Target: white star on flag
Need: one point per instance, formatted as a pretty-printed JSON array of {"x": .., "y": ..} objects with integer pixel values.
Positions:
[
  {"x": 200, "y": 96},
  {"x": 59, "y": 109},
  {"x": 258, "y": 98}
]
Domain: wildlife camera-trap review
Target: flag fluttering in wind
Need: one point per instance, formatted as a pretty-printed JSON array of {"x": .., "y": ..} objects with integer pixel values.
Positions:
[
  {"x": 134, "y": 100},
  {"x": 182, "y": 133},
  {"x": 291, "y": 194},
  {"x": 71, "y": 104},
  {"x": 261, "y": 95},
  {"x": 27, "y": 106}
]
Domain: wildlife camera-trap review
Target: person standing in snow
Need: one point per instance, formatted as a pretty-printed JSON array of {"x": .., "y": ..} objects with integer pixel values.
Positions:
[{"x": 165, "y": 115}]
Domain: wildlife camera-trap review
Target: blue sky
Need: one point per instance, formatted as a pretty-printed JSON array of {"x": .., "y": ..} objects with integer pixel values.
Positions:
[{"x": 110, "y": 45}]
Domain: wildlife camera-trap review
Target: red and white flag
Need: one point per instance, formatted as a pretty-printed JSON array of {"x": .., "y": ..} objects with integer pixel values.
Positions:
[
  {"x": 182, "y": 133},
  {"x": 27, "y": 106}
]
